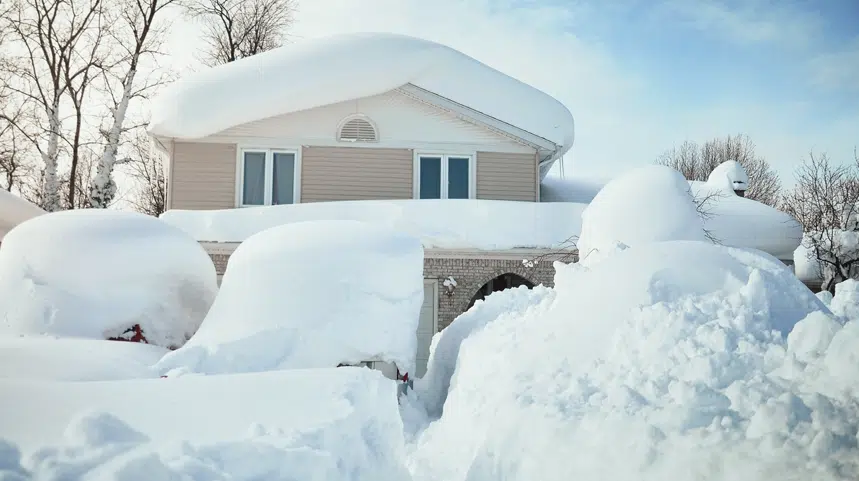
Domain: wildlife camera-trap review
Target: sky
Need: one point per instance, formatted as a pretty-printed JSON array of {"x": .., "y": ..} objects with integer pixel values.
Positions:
[{"x": 640, "y": 76}]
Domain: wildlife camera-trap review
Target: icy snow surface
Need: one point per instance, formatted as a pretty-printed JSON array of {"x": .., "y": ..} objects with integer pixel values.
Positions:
[
  {"x": 48, "y": 359},
  {"x": 647, "y": 204},
  {"x": 95, "y": 273},
  {"x": 320, "y": 425},
  {"x": 346, "y": 67},
  {"x": 14, "y": 210},
  {"x": 309, "y": 295},
  {"x": 446, "y": 224}
]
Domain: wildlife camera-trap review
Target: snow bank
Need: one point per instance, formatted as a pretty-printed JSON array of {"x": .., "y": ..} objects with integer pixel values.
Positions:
[
  {"x": 648, "y": 204},
  {"x": 347, "y": 67},
  {"x": 14, "y": 210},
  {"x": 76, "y": 359},
  {"x": 326, "y": 425},
  {"x": 644, "y": 367},
  {"x": 312, "y": 294},
  {"x": 95, "y": 273},
  {"x": 729, "y": 175},
  {"x": 444, "y": 224}
]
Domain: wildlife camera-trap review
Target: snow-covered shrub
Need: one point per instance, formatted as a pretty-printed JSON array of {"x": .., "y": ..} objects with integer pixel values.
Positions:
[
  {"x": 312, "y": 294},
  {"x": 682, "y": 360},
  {"x": 648, "y": 204},
  {"x": 98, "y": 273}
]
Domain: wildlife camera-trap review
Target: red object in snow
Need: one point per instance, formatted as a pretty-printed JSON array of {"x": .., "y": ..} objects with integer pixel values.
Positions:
[{"x": 132, "y": 334}]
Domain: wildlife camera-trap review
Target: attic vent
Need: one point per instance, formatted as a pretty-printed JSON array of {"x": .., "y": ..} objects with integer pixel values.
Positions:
[{"x": 357, "y": 129}]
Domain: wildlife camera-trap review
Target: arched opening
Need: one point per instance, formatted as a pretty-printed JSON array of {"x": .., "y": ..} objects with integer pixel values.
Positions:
[{"x": 504, "y": 281}]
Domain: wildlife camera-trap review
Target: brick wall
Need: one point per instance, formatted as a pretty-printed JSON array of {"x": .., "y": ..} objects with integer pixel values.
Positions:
[{"x": 470, "y": 274}]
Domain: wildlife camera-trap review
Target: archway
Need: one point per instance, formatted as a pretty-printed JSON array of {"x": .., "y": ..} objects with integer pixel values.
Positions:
[{"x": 504, "y": 281}]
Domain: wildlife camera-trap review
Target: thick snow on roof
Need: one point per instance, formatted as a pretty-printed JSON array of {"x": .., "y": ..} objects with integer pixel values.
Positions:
[
  {"x": 14, "y": 210},
  {"x": 729, "y": 174},
  {"x": 320, "y": 72},
  {"x": 444, "y": 224}
]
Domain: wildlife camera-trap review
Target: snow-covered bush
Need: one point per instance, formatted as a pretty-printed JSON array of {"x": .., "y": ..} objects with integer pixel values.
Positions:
[
  {"x": 98, "y": 273},
  {"x": 312, "y": 294},
  {"x": 677, "y": 359},
  {"x": 648, "y": 204}
]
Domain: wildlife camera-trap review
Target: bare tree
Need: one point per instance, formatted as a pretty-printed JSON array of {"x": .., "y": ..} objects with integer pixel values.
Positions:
[
  {"x": 697, "y": 162},
  {"x": 825, "y": 201},
  {"x": 146, "y": 169},
  {"x": 52, "y": 36},
  {"x": 237, "y": 29},
  {"x": 138, "y": 36}
]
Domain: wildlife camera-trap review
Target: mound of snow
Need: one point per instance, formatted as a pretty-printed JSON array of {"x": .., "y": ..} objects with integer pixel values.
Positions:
[
  {"x": 729, "y": 175},
  {"x": 445, "y": 224},
  {"x": 312, "y": 294},
  {"x": 325, "y": 425},
  {"x": 348, "y": 67},
  {"x": 672, "y": 360},
  {"x": 96, "y": 273},
  {"x": 648, "y": 204},
  {"x": 845, "y": 303},
  {"x": 76, "y": 359},
  {"x": 14, "y": 210}
]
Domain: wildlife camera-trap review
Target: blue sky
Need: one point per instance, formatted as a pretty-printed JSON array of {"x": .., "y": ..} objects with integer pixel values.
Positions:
[{"x": 641, "y": 76}]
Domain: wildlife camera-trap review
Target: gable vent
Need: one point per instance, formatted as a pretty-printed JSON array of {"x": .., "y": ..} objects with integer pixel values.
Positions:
[{"x": 358, "y": 130}]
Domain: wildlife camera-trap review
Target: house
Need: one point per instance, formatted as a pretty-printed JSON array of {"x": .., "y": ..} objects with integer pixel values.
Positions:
[
  {"x": 377, "y": 127},
  {"x": 14, "y": 210}
]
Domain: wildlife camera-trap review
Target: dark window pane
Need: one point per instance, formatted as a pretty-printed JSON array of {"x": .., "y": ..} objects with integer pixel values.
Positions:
[
  {"x": 430, "y": 178},
  {"x": 283, "y": 178},
  {"x": 457, "y": 178},
  {"x": 253, "y": 190}
]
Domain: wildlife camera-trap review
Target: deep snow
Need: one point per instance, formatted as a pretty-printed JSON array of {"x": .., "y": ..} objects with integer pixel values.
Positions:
[
  {"x": 312, "y": 295},
  {"x": 347, "y": 67},
  {"x": 95, "y": 273},
  {"x": 14, "y": 210}
]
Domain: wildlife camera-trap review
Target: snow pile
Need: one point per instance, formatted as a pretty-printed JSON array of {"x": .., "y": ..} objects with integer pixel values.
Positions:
[
  {"x": 445, "y": 224},
  {"x": 312, "y": 294},
  {"x": 644, "y": 367},
  {"x": 96, "y": 273},
  {"x": 648, "y": 204},
  {"x": 347, "y": 67},
  {"x": 729, "y": 175},
  {"x": 14, "y": 210},
  {"x": 76, "y": 359},
  {"x": 845, "y": 303},
  {"x": 325, "y": 425}
]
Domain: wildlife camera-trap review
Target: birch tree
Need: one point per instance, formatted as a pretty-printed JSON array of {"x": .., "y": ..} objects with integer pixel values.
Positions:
[
  {"x": 48, "y": 37},
  {"x": 137, "y": 35},
  {"x": 235, "y": 29}
]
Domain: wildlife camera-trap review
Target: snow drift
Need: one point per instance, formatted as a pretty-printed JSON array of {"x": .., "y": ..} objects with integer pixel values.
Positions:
[
  {"x": 312, "y": 294},
  {"x": 96, "y": 273},
  {"x": 347, "y": 67},
  {"x": 325, "y": 425},
  {"x": 14, "y": 210}
]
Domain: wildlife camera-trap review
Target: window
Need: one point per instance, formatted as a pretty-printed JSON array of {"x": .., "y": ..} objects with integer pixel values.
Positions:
[
  {"x": 357, "y": 129},
  {"x": 444, "y": 176},
  {"x": 268, "y": 177}
]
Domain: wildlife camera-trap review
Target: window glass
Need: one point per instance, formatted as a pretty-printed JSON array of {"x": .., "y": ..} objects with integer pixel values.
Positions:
[
  {"x": 253, "y": 190},
  {"x": 430, "y": 177},
  {"x": 283, "y": 178},
  {"x": 457, "y": 177}
]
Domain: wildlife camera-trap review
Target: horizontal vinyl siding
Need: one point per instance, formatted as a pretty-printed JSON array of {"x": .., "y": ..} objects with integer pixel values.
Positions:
[
  {"x": 506, "y": 176},
  {"x": 349, "y": 173},
  {"x": 204, "y": 176}
]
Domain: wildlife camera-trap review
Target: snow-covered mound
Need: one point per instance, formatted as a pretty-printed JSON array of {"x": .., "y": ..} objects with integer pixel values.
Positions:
[
  {"x": 322, "y": 425},
  {"x": 673, "y": 360},
  {"x": 312, "y": 294},
  {"x": 729, "y": 175},
  {"x": 445, "y": 224},
  {"x": 96, "y": 273},
  {"x": 647, "y": 204},
  {"x": 14, "y": 210},
  {"x": 28, "y": 358},
  {"x": 347, "y": 67}
]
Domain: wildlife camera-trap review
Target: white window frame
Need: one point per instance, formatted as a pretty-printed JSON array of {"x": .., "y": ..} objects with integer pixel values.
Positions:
[
  {"x": 472, "y": 171},
  {"x": 269, "y": 169}
]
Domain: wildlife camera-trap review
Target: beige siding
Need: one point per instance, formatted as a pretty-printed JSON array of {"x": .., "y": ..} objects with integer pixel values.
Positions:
[
  {"x": 353, "y": 173},
  {"x": 203, "y": 176},
  {"x": 506, "y": 176}
]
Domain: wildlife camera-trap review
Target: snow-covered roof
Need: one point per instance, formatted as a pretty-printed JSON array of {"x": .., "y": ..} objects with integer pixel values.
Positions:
[
  {"x": 14, "y": 210},
  {"x": 319, "y": 72},
  {"x": 729, "y": 174}
]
